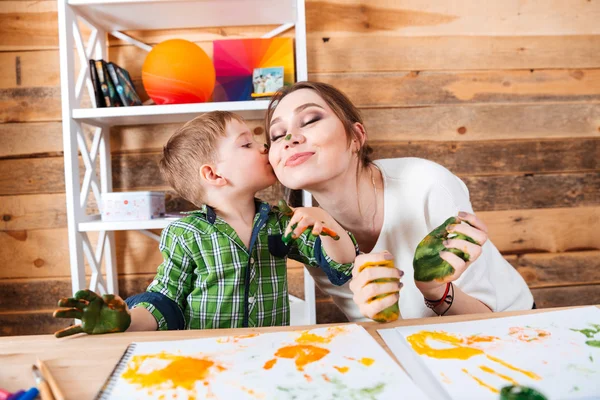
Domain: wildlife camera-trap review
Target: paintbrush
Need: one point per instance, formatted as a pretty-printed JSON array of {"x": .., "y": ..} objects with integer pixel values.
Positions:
[{"x": 45, "y": 392}]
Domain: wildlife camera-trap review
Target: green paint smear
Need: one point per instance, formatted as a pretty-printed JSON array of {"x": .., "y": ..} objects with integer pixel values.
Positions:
[
  {"x": 589, "y": 333},
  {"x": 520, "y": 393},
  {"x": 591, "y": 358},
  {"x": 342, "y": 391},
  {"x": 593, "y": 343}
]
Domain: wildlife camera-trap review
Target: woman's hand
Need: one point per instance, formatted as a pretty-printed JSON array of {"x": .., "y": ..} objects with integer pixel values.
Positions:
[
  {"x": 440, "y": 259},
  {"x": 375, "y": 288}
]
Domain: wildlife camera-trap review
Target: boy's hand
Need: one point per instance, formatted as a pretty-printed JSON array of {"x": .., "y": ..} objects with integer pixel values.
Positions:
[
  {"x": 104, "y": 314},
  {"x": 303, "y": 218}
]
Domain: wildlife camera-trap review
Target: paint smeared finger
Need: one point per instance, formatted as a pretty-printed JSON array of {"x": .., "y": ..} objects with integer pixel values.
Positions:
[
  {"x": 72, "y": 302},
  {"x": 68, "y": 313},
  {"x": 71, "y": 330}
]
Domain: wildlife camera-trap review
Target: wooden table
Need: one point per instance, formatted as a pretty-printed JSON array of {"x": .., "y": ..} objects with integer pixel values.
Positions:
[{"x": 80, "y": 364}]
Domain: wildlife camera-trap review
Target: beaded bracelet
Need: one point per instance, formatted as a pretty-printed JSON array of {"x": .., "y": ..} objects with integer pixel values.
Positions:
[{"x": 447, "y": 298}]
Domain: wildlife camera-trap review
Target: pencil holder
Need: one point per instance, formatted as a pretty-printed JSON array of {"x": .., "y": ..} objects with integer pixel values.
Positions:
[{"x": 392, "y": 312}]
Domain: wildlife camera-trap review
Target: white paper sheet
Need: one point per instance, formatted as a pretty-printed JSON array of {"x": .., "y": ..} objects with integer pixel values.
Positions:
[
  {"x": 557, "y": 353},
  {"x": 342, "y": 362}
]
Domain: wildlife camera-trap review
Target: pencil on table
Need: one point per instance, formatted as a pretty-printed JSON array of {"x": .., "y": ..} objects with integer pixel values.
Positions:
[
  {"x": 42, "y": 384},
  {"x": 50, "y": 379}
]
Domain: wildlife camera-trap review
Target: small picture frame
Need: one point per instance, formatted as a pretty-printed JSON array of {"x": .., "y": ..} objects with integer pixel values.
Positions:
[{"x": 267, "y": 81}]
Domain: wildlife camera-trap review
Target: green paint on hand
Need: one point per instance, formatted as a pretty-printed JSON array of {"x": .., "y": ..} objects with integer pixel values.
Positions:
[{"x": 427, "y": 263}]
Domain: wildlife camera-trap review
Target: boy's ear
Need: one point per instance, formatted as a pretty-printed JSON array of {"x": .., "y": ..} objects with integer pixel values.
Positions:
[{"x": 210, "y": 176}]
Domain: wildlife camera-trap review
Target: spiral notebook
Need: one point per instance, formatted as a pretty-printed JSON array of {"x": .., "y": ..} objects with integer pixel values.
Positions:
[
  {"x": 334, "y": 362},
  {"x": 556, "y": 353}
]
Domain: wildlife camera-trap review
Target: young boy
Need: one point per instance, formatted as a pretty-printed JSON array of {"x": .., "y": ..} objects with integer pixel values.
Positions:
[{"x": 225, "y": 264}]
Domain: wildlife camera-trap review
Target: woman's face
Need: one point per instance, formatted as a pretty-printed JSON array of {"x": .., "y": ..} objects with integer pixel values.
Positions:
[{"x": 308, "y": 141}]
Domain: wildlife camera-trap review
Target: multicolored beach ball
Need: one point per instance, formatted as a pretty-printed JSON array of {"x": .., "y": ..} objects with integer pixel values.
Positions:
[{"x": 178, "y": 71}]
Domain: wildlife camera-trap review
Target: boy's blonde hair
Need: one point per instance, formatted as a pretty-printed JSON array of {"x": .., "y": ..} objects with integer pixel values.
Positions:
[{"x": 190, "y": 147}]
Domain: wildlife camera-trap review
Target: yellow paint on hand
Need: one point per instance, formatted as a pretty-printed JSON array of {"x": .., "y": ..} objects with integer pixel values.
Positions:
[
  {"x": 482, "y": 383},
  {"x": 507, "y": 378},
  {"x": 342, "y": 370}
]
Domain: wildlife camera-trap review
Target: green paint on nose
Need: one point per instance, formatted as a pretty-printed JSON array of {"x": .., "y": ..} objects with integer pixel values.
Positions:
[{"x": 288, "y": 136}]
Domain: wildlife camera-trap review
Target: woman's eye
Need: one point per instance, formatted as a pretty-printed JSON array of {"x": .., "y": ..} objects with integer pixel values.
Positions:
[
  {"x": 276, "y": 138},
  {"x": 311, "y": 121}
]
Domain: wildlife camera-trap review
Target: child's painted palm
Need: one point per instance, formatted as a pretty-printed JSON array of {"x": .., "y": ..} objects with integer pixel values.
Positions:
[
  {"x": 106, "y": 314},
  {"x": 427, "y": 264}
]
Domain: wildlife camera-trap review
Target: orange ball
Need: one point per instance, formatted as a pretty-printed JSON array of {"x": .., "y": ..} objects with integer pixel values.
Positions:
[{"x": 178, "y": 71}]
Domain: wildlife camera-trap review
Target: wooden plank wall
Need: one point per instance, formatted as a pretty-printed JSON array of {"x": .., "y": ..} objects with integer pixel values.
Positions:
[{"x": 506, "y": 94}]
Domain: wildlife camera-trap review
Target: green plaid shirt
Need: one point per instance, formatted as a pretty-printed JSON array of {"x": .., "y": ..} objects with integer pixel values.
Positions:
[{"x": 206, "y": 264}]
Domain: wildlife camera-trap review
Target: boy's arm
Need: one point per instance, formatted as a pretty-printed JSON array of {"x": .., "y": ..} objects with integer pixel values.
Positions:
[
  {"x": 142, "y": 320},
  {"x": 325, "y": 251},
  {"x": 165, "y": 298}
]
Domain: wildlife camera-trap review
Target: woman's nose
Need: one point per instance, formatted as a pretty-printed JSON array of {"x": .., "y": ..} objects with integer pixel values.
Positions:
[{"x": 292, "y": 139}]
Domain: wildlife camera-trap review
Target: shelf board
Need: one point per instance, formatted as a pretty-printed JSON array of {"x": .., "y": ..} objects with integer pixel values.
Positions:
[
  {"x": 171, "y": 113},
  {"x": 95, "y": 224},
  {"x": 122, "y": 15}
]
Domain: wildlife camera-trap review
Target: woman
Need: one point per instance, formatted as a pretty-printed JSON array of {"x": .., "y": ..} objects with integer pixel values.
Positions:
[{"x": 318, "y": 143}]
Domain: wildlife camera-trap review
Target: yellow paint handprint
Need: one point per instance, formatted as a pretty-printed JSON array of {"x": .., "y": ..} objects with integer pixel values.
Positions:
[{"x": 463, "y": 349}]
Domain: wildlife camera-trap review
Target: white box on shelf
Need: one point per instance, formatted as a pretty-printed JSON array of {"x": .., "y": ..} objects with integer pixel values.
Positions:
[{"x": 132, "y": 206}]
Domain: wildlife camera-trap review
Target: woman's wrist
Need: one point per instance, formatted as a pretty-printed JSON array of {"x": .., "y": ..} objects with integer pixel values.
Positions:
[{"x": 432, "y": 293}]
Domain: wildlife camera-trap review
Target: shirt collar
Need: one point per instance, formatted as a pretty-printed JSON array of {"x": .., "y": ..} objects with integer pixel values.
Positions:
[{"x": 261, "y": 208}]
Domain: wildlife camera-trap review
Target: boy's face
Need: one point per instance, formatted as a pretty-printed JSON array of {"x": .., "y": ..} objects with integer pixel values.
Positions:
[{"x": 243, "y": 161}]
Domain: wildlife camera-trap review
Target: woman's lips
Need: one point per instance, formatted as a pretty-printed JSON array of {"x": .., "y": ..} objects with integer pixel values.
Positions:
[{"x": 297, "y": 159}]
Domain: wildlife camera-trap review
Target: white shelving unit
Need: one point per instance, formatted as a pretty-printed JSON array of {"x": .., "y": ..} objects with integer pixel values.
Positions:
[{"x": 114, "y": 16}]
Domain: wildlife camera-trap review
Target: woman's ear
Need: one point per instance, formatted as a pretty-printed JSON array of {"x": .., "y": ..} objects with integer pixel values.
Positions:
[
  {"x": 210, "y": 176},
  {"x": 360, "y": 135}
]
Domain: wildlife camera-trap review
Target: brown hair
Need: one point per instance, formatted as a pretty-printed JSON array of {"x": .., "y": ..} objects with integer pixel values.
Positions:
[
  {"x": 191, "y": 146},
  {"x": 339, "y": 103}
]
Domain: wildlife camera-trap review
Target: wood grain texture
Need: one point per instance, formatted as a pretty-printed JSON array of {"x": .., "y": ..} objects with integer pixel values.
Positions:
[
  {"x": 363, "y": 53},
  {"x": 414, "y": 88},
  {"x": 44, "y": 252},
  {"x": 480, "y": 158},
  {"x": 540, "y": 271},
  {"x": 558, "y": 269},
  {"x": 389, "y": 125}
]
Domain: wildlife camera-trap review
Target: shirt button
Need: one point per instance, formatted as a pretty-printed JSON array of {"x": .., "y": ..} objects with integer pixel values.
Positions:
[
  {"x": 251, "y": 299},
  {"x": 251, "y": 260}
]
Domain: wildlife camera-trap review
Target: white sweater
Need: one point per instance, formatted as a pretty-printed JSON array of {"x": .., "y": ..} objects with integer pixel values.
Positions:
[{"x": 419, "y": 195}]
